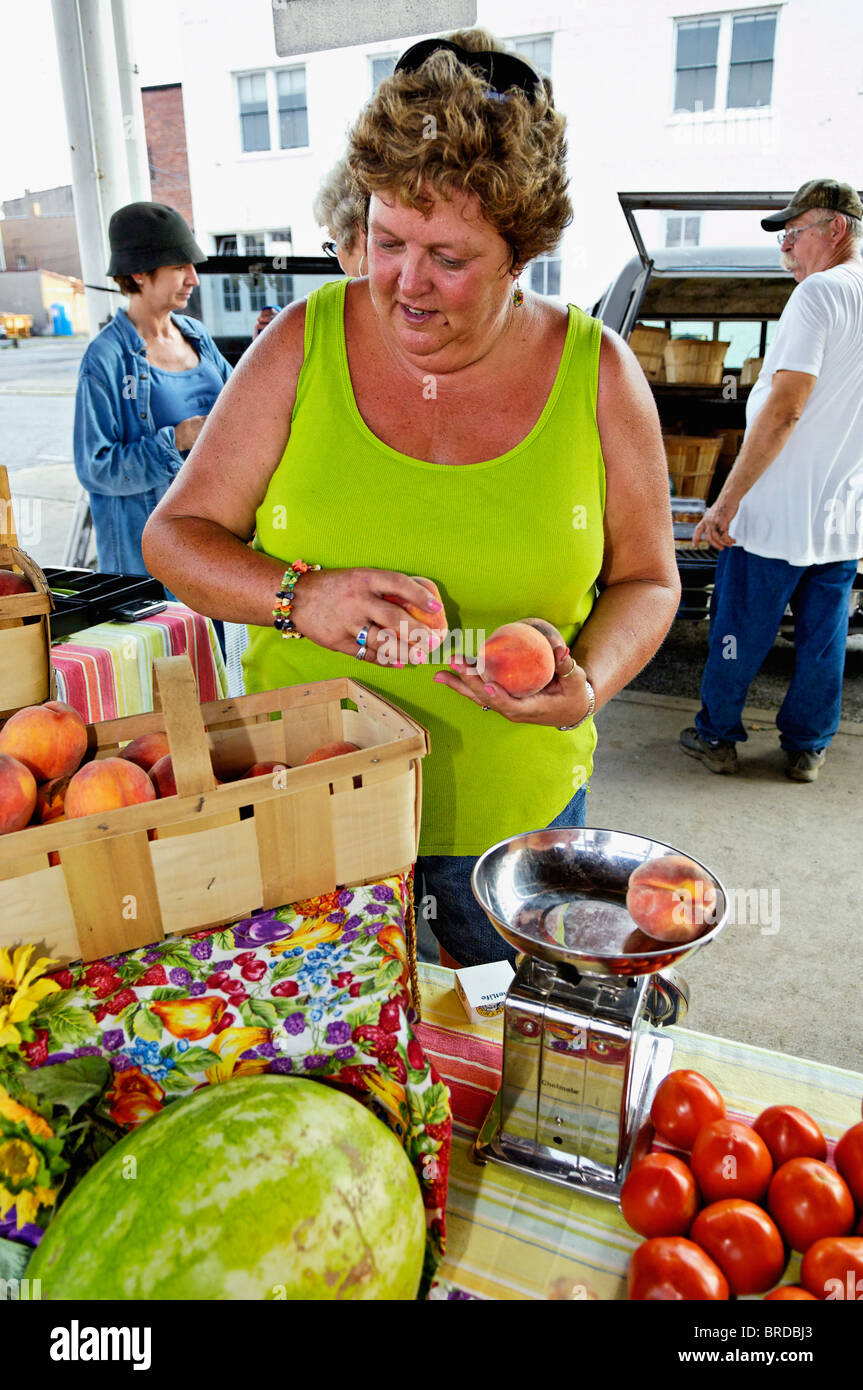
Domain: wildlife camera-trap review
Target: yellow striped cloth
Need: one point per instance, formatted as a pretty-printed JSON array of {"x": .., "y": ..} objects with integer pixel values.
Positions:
[{"x": 517, "y": 1237}]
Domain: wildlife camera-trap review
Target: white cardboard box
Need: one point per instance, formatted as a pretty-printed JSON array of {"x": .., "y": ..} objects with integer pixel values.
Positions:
[{"x": 482, "y": 989}]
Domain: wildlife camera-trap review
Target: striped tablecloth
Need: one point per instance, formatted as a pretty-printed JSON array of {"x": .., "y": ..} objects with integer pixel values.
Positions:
[
  {"x": 106, "y": 671},
  {"x": 515, "y": 1237}
]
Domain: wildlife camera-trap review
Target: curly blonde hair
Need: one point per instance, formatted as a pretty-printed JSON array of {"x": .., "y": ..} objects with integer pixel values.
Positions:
[
  {"x": 437, "y": 127},
  {"x": 338, "y": 207}
]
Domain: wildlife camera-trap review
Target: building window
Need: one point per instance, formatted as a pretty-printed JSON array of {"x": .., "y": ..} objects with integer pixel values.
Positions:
[
  {"x": 293, "y": 113},
  {"x": 254, "y": 111},
  {"x": 750, "y": 67},
  {"x": 545, "y": 275},
  {"x": 695, "y": 87},
  {"x": 728, "y": 56},
  {"x": 283, "y": 289},
  {"x": 231, "y": 294},
  {"x": 255, "y": 244},
  {"x": 257, "y": 293},
  {"x": 21, "y": 262},
  {"x": 226, "y": 244},
  {"x": 682, "y": 231},
  {"x": 535, "y": 50},
  {"x": 382, "y": 65}
]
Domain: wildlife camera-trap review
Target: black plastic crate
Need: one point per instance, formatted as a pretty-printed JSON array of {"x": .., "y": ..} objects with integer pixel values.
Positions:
[{"x": 83, "y": 598}]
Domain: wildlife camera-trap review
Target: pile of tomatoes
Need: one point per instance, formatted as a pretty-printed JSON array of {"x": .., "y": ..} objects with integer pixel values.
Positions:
[{"x": 722, "y": 1215}]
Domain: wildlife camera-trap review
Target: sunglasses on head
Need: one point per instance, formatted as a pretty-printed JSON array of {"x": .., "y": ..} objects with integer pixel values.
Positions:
[{"x": 500, "y": 70}]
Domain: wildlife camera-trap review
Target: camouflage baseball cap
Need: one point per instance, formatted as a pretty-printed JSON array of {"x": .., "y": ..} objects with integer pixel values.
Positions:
[{"x": 817, "y": 193}]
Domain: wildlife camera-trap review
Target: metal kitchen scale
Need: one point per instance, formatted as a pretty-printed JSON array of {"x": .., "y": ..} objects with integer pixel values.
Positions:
[{"x": 583, "y": 1052}]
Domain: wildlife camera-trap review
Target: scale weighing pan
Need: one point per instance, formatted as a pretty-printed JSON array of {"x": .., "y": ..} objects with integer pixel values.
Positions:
[{"x": 560, "y": 895}]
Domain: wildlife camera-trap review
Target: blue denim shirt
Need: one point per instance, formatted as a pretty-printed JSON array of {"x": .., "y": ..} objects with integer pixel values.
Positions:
[{"x": 122, "y": 460}]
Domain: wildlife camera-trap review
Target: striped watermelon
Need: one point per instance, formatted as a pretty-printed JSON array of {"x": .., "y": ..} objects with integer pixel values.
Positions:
[{"x": 263, "y": 1187}]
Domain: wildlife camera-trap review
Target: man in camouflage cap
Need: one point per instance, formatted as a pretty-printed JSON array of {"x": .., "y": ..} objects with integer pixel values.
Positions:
[{"x": 788, "y": 522}]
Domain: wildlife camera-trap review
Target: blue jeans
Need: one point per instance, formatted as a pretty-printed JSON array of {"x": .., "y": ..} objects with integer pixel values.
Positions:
[
  {"x": 455, "y": 917},
  {"x": 749, "y": 599}
]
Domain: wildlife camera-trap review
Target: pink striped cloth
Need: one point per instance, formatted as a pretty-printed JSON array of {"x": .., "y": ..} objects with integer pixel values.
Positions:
[{"x": 106, "y": 672}]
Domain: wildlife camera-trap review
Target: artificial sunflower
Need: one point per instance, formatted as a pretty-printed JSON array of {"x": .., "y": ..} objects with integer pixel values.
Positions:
[
  {"x": 31, "y": 1160},
  {"x": 21, "y": 989}
]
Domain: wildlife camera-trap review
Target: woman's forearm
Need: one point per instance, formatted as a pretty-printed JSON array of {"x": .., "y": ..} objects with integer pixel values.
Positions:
[
  {"x": 625, "y": 629},
  {"x": 211, "y": 570}
]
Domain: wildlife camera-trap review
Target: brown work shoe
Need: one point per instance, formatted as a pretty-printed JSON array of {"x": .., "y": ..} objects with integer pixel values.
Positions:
[
  {"x": 804, "y": 764},
  {"x": 714, "y": 753}
]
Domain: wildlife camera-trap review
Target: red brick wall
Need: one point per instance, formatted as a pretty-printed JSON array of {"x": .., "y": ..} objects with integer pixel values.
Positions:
[{"x": 165, "y": 126}]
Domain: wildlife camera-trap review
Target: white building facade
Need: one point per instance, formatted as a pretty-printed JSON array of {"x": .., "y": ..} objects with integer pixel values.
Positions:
[{"x": 659, "y": 97}]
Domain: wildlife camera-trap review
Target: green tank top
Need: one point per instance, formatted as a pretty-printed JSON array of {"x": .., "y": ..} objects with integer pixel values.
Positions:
[{"x": 512, "y": 537}]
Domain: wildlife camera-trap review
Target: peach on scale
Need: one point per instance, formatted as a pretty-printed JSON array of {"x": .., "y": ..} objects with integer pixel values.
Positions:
[{"x": 670, "y": 900}]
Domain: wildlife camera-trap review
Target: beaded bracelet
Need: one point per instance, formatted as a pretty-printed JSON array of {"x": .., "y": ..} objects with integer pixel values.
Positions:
[{"x": 282, "y": 620}]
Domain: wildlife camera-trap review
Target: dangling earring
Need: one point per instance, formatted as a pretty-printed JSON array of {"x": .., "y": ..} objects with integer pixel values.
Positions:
[{"x": 517, "y": 295}]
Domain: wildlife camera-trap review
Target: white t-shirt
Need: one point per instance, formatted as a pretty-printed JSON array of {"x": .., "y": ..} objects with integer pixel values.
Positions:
[{"x": 807, "y": 507}]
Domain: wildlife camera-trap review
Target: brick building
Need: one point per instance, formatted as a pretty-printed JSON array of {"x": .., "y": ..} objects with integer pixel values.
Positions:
[
  {"x": 38, "y": 232},
  {"x": 165, "y": 126}
]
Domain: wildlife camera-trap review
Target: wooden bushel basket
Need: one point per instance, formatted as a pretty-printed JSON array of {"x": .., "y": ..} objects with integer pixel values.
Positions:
[
  {"x": 26, "y": 676},
  {"x": 213, "y": 854},
  {"x": 648, "y": 344},
  {"x": 691, "y": 461},
  {"x": 690, "y": 362}
]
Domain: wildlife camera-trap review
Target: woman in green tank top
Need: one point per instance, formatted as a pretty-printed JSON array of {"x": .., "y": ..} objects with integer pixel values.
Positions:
[{"x": 433, "y": 420}]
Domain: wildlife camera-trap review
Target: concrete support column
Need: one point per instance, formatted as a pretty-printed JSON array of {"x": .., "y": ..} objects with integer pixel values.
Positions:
[
  {"x": 92, "y": 227},
  {"x": 135, "y": 138}
]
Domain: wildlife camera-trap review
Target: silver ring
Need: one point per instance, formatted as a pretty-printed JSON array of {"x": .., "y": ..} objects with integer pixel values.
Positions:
[
  {"x": 361, "y": 653},
  {"x": 485, "y": 708},
  {"x": 362, "y": 636}
]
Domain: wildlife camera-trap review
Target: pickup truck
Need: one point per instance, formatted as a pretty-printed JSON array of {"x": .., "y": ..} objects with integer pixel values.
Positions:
[{"x": 729, "y": 293}]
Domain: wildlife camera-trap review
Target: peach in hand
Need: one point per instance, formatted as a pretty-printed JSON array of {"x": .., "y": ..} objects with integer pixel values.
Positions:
[
  {"x": 548, "y": 630},
  {"x": 107, "y": 785},
  {"x": 517, "y": 657},
  {"x": 50, "y": 739},
  {"x": 436, "y": 621},
  {"x": 17, "y": 794},
  {"x": 331, "y": 750},
  {"x": 146, "y": 750},
  {"x": 670, "y": 899}
]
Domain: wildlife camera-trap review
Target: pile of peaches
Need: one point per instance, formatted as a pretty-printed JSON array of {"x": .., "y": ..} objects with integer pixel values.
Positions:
[
  {"x": 722, "y": 1213},
  {"x": 44, "y": 778}
]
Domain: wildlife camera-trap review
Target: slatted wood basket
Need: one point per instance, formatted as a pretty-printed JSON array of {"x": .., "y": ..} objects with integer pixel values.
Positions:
[
  {"x": 691, "y": 462},
  {"x": 213, "y": 854},
  {"x": 691, "y": 362},
  {"x": 26, "y": 676},
  {"x": 751, "y": 370},
  {"x": 648, "y": 344}
]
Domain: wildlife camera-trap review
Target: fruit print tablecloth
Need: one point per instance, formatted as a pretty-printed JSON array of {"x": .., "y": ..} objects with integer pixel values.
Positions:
[{"x": 316, "y": 989}]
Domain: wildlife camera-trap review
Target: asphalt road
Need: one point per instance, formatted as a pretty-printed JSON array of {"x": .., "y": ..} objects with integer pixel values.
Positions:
[{"x": 37, "y": 388}]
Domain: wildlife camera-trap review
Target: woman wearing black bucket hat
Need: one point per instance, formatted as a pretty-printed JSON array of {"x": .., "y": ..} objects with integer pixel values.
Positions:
[{"x": 147, "y": 382}]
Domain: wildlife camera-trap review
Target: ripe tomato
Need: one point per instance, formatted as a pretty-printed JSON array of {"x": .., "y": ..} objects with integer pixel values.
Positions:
[
  {"x": 787, "y": 1293},
  {"x": 684, "y": 1102},
  {"x": 833, "y": 1268},
  {"x": 848, "y": 1157},
  {"x": 659, "y": 1197},
  {"x": 809, "y": 1201},
  {"x": 672, "y": 1269},
  {"x": 790, "y": 1133},
  {"x": 743, "y": 1241},
  {"x": 730, "y": 1160}
]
